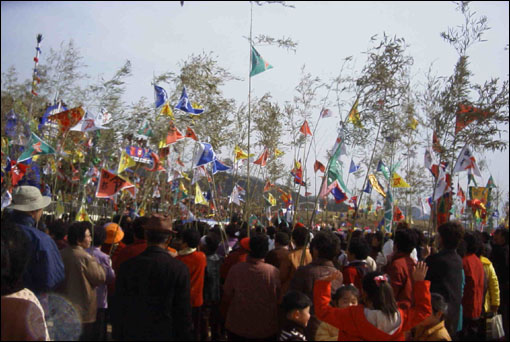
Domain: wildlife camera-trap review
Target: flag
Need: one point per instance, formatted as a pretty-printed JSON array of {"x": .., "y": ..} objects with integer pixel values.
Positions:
[
  {"x": 145, "y": 130},
  {"x": 173, "y": 134},
  {"x": 388, "y": 211},
  {"x": 268, "y": 186},
  {"x": 319, "y": 166},
  {"x": 186, "y": 106},
  {"x": 425, "y": 206},
  {"x": 262, "y": 160},
  {"x": 305, "y": 129},
  {"x": 479, "y": 193},
  {"x": 198, "y": 173},
  {"x": 88, "y": 123},
  {"x": 368, "y": 188},
  {"x": 471, "y": 178},
  {"x": 68, "y": 118},
  {"x": 82, "y": 215},
  {"x": 353, "y": 167},
  {"x": 397, "y": 214},
  {"x": 6, "y": 199},
  {"x": 109, "y": 184},
  {"x": 413, "y": 123},
  {"x": 166, "y": 110},
  {"x": 160, "y": 96},
  {"x": 490, "y": 183},
  {"x": 235, "y": 196},
  {"x": 443, "y": 185},
  {"x": 35, "y": 146},
  {"x": 466, "y": 161},
  {"x": 240, "y": 154},
  {"x": 219, "y": 167},
  {"x": 338, "y": 194},
  {"x": 17, "y": 171},
  {"x": 354, "y": 117},
  {"x": 326, "y": 113},
  {"x": 56, "y": 108},
  {"x": 429, "y": 158},
  {"x": 285, "y": 197},
  {"x": 467, "y": 114},
  {"x": 191, "y": 134},
  {"x": 460, "y": 194},
  {"x": 199, "y": 197},
  {"x": 297, "y": 172},
  {"x": 258, "y": 64},
  {"x": 11, "y": 124},
  {"x": 156, "y": 165},
  {"x": 436, "y": 146},
  {"x": 277, "y": 153},
  {"x": 384, "y": 169},
  {"x": 376, "y": 185},
  {"x": 204, "y": 156},
  {"x": 271, "y": 200},
  {"x": 399, "y": 182}
]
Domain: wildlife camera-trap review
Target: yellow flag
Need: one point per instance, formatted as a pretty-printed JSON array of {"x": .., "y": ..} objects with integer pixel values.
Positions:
[
  {"x": 399, "y": 182},
  {"x": 59, "y": 209},
  {"x": 271, "y": 199},
  {"x": 182, "y": 188},
  {"x": 240, "y": 154},
  {"x": 376, "y": 185},
  {"x": 185, "y": 175},
  {"x": 162, "y": 143},
  {"x": 82, "y": 215},
  {"x": 277, "y": 152},
  {"x": 199, "y": 198},
  {"x": 413, "y": 124},
  {"x": 125, "y": 162},
  {"x": 354, "y": 116},
  {"x": 166, "y": 110}
]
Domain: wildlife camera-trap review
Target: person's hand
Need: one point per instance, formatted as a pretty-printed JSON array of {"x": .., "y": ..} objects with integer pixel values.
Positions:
[
  {"x": 332, "y": 276},
  {"x": 420, "y": 271},
  {"x": 426, "y": 250}
]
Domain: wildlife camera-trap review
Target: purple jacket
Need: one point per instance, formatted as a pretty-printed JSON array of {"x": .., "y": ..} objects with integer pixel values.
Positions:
[{"x": 104, "y": 260}]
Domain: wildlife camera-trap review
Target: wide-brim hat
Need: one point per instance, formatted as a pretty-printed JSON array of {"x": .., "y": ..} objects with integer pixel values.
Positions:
[
  {"x": 114, "y": 233},
  {"x": 158, "y": 222},
  {"x": 28, "y": 198}
]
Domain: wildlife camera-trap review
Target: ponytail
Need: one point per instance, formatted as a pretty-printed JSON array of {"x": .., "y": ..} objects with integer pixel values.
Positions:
[{"x": 378, "y": 290}]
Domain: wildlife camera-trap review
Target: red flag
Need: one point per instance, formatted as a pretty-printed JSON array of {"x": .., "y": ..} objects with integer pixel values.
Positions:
[
  {"x": 398, "y": 215},
  {"x": 110, "y": 184},
  {"x": 461, "y": 194},
  {"x": 262, "y": 160},
  {"x": 156, "y": 166},
  {"x": 268, "y": 186},
  {"x": 68, "y": 118},
  {"x": 305, "y": 129},
  {"x": 17, "y": 172},
  {"x": 436, "y": 146},
  {"x": 173, "y": 134},
  {"x": 191, "y": 134},
  {"x": 467, "y": 114},
  {"x": 319, "y": 166}
]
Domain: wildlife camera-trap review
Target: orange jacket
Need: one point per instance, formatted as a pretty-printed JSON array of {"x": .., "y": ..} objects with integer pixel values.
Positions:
[
  {"x": 196, "y": 263},
  {"x": 352, "y": 323}
]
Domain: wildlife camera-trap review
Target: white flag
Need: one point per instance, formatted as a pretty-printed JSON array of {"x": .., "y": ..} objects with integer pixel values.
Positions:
[{"x": 466, "y": 161}]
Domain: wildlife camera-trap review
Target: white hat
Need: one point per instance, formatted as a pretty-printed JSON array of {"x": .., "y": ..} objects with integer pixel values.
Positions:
[{"x": 28, "y": 198}]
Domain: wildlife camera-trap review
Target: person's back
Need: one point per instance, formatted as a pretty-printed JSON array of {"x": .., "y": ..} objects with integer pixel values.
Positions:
[{"x": 279, "y": 258}]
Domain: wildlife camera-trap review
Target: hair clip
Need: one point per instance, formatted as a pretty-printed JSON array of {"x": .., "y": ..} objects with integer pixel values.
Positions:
[{"x": 380, "y": 278}]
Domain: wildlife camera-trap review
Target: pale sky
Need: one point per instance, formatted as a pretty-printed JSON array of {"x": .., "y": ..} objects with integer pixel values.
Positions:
[{"x": 157, "y": 36}]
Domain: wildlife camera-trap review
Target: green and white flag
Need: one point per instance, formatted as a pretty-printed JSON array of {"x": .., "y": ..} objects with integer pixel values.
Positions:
[
  {"x": 258, "y": 64},
  {"x": 34, "y": 147}
]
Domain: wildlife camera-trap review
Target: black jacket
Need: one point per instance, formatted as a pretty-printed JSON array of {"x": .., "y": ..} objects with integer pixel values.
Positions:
[{"x": 152, "y": 298}]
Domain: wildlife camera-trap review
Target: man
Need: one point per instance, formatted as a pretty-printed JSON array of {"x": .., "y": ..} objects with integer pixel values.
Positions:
[
  {"x": 500, "y": 261},
  {"x": 45, "y": 269},
  {"x": 250, "y": 296},
  {"x": 152, "y": 295},
  {"x": 445, "y": 272},
  {"x": 279, "y": 258}
]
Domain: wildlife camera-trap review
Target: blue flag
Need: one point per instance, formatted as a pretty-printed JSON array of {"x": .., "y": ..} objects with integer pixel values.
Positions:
[
  {"x": 205, "y": 155},
  {"x": 160, "y": 96},
  {"x": 368, "y": 188},
  {"x": 219, "y": 167},
  {"x": 51, "y": 110},
  {"x": 186, "y": 106},
  {"x": 11, "y": 124},
  {"x": 353, "y": 167},
  {"x": 339, "y": 195}
]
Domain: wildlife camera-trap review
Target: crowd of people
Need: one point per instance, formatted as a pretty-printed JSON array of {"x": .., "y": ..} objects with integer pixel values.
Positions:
[{"x": 154, "y": 278}]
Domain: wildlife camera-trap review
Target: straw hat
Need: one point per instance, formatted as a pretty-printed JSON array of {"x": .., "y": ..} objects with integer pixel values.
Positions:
[
  {"x": 28, "y": 198},
  {"x": 114, "y": 233}
]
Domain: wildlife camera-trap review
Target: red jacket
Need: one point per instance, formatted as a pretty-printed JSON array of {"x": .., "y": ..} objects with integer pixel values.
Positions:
[
  {"x": 196, "y": 263},
  {"x": 400, "y": 271},
  {"x": 472, "y": 300},
  {"x": 352, "y": 323},
  {"x": 234, "y": 257}
]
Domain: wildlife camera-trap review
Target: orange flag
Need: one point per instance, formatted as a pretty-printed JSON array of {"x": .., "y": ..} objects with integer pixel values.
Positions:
[
  {"x": 156, "y": 166},
  {"x": 319, "y": 166},
  {"x": 268, "y": 186},
  {"x": 305, "y": 129},
  {"x": 110, "y": 184},
  {"x": 467, "y": 114},
  {"x": 262, "y": 161},
  {"x": 173, "y": 134},
  {"x": 68, "y": 118},
  {"x": 191, "y": 134}
]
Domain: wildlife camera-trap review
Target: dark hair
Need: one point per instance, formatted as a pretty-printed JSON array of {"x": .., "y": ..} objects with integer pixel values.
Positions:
[
  {"x": 405, "y": 240},
  {"x": 232, "y": 229},
  {"x": 327, "y": 244},
  {"x": 295, "y": 300},
  {"x": 359, "y": 247},
  {"x": 473, "y": 242},
  {"x": 402, "y": 225},
  {"x": 15, "y": 256},
  {"x": 438, "y": 303},
  {"x": 271, "y": 231},
  {"x": 155, "y": 237},
  {"x": 381, "y": 295},
  {"x": 504, "y": 234},
  {"x": 99, "y": 235},
  {"x": 191, "y": 237},
  {"x": 343, "y": 289},
  {"x": 282, "y": 238},
  {"x": 211, "y": 244},
  {"x": 76, "y": 232},
  {"x": 259, "y": 246},
  {"x": 137, "y": 226},
  {"x": 58, "y": 229},
  {"x": 462, "y": 248},
  {"x": 451, "y": 233},
  {"x": 299, "y": 235}
]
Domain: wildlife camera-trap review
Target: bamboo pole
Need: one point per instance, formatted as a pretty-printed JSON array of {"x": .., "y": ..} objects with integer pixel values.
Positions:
[{"x": 247, "y": 204}]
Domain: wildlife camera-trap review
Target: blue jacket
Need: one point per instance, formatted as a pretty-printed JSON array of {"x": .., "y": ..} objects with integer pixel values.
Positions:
[{"x": 45, "y": 269}]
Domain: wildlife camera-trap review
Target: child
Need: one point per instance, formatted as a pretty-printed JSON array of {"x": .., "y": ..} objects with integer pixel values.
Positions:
[
  {"x": 345, "y": 296},
  {"x": 296, "y": 307},
  {"x": 357, "y": 267},
  {"x": 379, "y": 319},
  {"x": 432, "y": 328}
]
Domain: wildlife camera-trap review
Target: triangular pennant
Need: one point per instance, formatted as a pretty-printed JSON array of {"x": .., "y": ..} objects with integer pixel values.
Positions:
[
  {"x": 399, "y": 182},
  {"x": 305, "y": 129},
  {"x": 199, "y": 197},
  {"x": 173, "y": 134},
  {"x": 319, "y": 166},
  {"x": 262, "y": 160},
  {"x": 354, "y": 117},
  {"x": 125, "y": 162},
  {"x": 467, "y": 114},
  {"x": 191, "y": 134},
  {"x": 258, "y": 64},
  {"x": 35, "y": 146},
  {"x": 185, "y": 105},
  {"x": 68, "y": 118}
]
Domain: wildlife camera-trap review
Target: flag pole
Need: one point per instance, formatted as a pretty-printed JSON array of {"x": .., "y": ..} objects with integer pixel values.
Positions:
[{"x": 247, "y": 204}]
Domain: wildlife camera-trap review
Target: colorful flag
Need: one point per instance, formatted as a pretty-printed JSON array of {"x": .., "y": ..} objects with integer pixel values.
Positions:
[
  {"x": 338, "y": 194},
  {"x": 384, "y": 169},
  {"x": 88, "y": 123},
  {"x": 368, "y": 188},
  {"x": 353, "y": 167},
  {"x": 235, "y": 197},
  {"x": 436, "y": 146},
  {"x": 240, "y": 154},
  {"x": 160, "y": 96},
  {"x": 305, "y": 129},
  {"x": 467, "y": 114},
  {"x": 191, "y": 134},
  {"x": 354, "y": 117},
  {"x": 166, "y": 110},
  {"x": 185, "y": 105},
  {"x": 82, "y": 215},
  {"x": 466, "y": 161},
  {"x": 198, "y": 173},
  {"x": 51, "y": 110},
  {"x": 173, "y": 135},
  {"x": 319, "y": 166},
  {"x": 125, "y": 162},
  {"x": 490, "y": 183},
  {"x": 258, "y": 64},
  {"x": 109, "y": 184},
  {"x": 68, "y": 118},
  {"x": 479, "y": 193},
  {"x": 220, "y": 167},
  {"x": 199, "y": 197},
  {"x": 278, "y": 153},
  {"x": 35, "y": 146},
  {"x": 399, "y": 182},
  {"x": 204, "y": 156},
  {"x": 326, "y": 113},
  {"x": 17, "y": 171},
  {"x": 460, "y": 193},
  {"x": 268, "y": 186},
  {"x": 156, "y": 164},
  {"x": 271, "y": 200},
  {"x": 145, "y": 130},
  {"x": 262, "y": 160},
  {"x": 376, "y": 185}
]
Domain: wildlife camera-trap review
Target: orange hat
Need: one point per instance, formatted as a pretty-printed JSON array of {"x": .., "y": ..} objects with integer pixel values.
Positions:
[
  {"x": 245, "y": 243},
  {"x": 299, "y": 225},
  {"x": 114, "y": 233}
]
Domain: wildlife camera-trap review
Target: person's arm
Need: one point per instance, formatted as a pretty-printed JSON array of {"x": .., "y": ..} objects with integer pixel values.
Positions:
[
  {"x": 493, "y": 289},
  {"x": 94, "y": 272},
  {"x": 422, "y": 307},
  {"x": 181, "y": 308}
]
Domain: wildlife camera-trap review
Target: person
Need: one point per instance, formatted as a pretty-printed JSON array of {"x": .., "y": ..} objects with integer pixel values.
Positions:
[
  {"x": 357, "y": 267},
  {"x": 102, "y": 290},
  {"x": 472, "y": 300},
  {"x": 299, "y": 238},
  {"x": 500, "y": 261},
  {"x": 271, "y": 232},
  {"x": 250, "y": 296},
  {"x": 152, "y": 292},
  {"x": 325, "y": 247},
  {"x": 236, "y": 256},
  {"x": 445, "y": 272},
  {"x": 376, "y": 243},
  {"x": 196, "y": 262},
  {"x": 279, "y": 258},
  {"x": 45, "y": 269},
  {"x": 83, "y": 275},
  {"x": 58, "y": 232},
  {"x": 22, "y": 314},
  {"x": 433, "y": 328},
  {"x": 137, "y": 247},
  {"x": 113, "y": 243},
  {"x": 232, "y": 229},
  {"x": 491, "y": 301},
  {"x": 380, "y": 319},
  {"x": 296, "y": 307},
  {"x": 345, "y": 296},
  {"x": 401, "y": 266}
]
